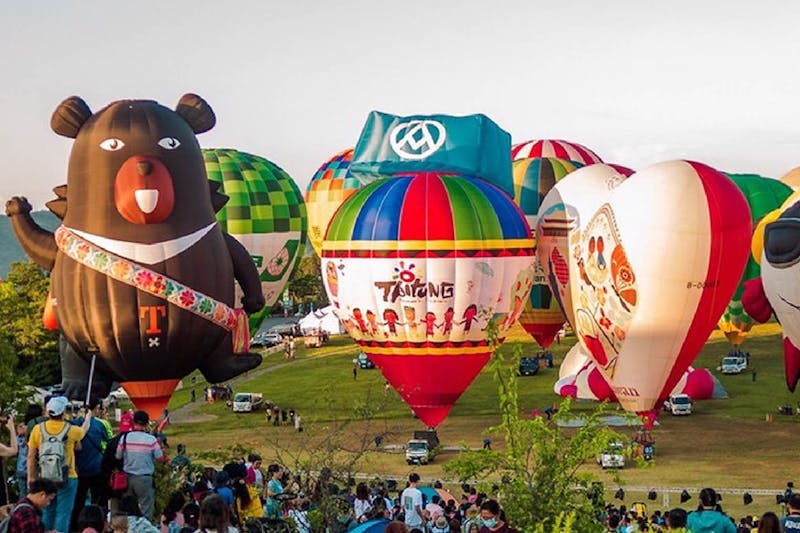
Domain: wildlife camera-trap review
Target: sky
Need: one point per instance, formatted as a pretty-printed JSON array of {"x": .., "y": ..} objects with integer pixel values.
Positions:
[{"x": 293, "y": 81}]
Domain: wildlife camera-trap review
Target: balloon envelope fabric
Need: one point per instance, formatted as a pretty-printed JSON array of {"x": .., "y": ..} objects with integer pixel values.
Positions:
[
  {"x": 542, "y": 317},
  {"x": 265, "y": 212},
  {"x": 417, "y": 266},
  {"x": 567, "y": 150},
  {"x": 472, "y": 145},
  {"x": 329, "y": 187},
  {"x": 763, "y": 195}
]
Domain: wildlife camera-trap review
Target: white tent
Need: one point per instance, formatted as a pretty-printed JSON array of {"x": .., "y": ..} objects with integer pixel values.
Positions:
[{"x": 324, "y": 319}]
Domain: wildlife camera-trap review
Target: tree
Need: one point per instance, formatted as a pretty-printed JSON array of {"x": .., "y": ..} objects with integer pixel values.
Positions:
[
  {"x": 22, "y": 299},
  {"x": 305, "y": 284},
  {"x": 543, "y": 487}
]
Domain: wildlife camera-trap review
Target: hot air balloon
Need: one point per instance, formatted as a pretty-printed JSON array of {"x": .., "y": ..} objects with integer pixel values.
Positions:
[
  {"x": 542, "y": 318},
  {"x": 650, "y": 266},
  {"x": 265, "y": 212},
  {"x": 584, "y": 194},
  {"x": 579, "y": 378},
  {"x": 763, "y": 195},
  {"x": 329, "y": 187},
  {"x": 417, "y": 266},
  {"x": 777, "y": 290},
  {"x": 565, "y": 150},
  {"x": 142, "y": 272}
]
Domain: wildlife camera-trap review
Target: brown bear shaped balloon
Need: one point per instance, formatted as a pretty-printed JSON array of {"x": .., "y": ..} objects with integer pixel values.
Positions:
[{"x": 142, "y": 274}]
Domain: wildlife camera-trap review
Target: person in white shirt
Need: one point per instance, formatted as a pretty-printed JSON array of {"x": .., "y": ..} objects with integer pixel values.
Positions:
[
  {"x": 411, "y": 500},
  {"x": 361, "y": 505}
]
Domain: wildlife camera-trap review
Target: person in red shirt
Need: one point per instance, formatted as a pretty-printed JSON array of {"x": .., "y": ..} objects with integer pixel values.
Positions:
[{"x": 26, "y": 516}]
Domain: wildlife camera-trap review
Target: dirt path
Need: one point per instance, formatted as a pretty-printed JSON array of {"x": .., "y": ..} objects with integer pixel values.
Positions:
[{"x": 187, "y": 414}]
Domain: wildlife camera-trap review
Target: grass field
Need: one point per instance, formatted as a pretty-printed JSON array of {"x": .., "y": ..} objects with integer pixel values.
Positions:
[{"x": 724, "y": 443}]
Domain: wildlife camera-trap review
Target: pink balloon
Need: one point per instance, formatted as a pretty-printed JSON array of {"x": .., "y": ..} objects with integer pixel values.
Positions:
[
  {"x": 699, "y": 384},
  {"x": 569, "y": 391},
  {"x": 600, "y": 387}
]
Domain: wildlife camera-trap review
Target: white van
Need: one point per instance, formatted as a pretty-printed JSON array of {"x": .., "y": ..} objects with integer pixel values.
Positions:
[
  {"x": 734, "y": 364},
  {"x": 678, "y": 404},
  {"x": 247, "y": 402}
]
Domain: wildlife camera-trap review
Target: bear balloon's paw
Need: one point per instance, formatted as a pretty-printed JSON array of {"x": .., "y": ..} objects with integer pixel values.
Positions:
[
  {"x": 220, "y": 368},
  {"x": 18, "y": 205},
  {"x": 253, "y": 304}
]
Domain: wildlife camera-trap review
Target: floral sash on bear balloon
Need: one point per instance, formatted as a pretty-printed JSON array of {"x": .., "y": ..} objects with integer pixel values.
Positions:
[{"x": 159, "y": 285}]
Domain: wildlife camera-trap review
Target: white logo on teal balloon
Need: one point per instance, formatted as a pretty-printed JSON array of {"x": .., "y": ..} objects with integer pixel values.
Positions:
[{"x": 417, "y": 139}]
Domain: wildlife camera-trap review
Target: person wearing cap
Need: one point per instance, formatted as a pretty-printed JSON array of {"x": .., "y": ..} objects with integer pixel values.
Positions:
[
  {"x": 56, "y": 516},
  {"x": 139, "y": 450},
  {"x": 89, "y": 461}
]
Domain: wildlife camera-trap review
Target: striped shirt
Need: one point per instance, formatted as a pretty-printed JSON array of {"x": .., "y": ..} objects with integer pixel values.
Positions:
[{"x": 138, "y": 450}]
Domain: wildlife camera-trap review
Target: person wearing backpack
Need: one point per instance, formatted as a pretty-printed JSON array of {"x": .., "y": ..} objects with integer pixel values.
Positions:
[
  {"x": 51, "y": 456},
  {"x": 138, "y": 451},
  {"x": 26, "y": 516}
]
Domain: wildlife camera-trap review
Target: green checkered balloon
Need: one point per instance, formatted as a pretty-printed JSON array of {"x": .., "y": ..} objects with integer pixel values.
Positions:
[{"x": 265, "y": 213}]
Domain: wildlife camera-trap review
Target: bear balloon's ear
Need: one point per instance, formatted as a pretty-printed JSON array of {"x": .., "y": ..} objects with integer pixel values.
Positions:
[
  {"x": 196, "y": 112},
  {"x": 69, "y": 116}
]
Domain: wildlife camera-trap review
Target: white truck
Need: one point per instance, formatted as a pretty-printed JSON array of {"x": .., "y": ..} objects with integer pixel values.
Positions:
[
  {"x": 678, "y": 404},
  {"x": 422, "y": 448},
  {"x": 247, "y": 402},
  {"x": 734, "y": 364},
  {"x": 613, "y": 456}
]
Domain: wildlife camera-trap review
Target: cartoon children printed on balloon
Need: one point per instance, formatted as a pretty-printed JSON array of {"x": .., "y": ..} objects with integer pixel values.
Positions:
[
  {"x": 430, "y": 323},
  {"x": 410, "y": 313},
  {"x": 448, "y": 322},
  {"x": 470, "y": 315},
  {"x": 391, "y": 321},
  {"x": 372, "y": 324}
]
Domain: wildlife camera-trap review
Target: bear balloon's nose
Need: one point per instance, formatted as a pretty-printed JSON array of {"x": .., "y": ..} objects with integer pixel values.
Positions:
[{"x": 144, "y": 168}]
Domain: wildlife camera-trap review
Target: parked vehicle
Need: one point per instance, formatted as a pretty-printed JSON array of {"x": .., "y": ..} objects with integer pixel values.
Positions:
[
  {"x": 364, "y": 362},
  {"x": 422, "y": 448},
  {"x": 734, "y": 364},
  {"x": 613, "y": 456},
  {"x": 265, "y": 339},
  {"x": 315, "y": 338},
  {"x": 287, "y": 330},
  {"x": 529, "y": 366},
  {"x": 247, "y": 402},
  {"x": 678, "y": 404}
]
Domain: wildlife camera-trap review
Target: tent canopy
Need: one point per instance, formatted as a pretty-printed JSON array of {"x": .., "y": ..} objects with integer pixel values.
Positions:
[{"x": 322, "y": 319}]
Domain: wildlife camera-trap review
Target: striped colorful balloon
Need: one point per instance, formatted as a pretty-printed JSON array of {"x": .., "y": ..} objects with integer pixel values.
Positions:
[
  {"x": 554, "y": 148},
  {"x": 329, "y": 187},
  {"x": 542, "y": 317},
  {"x": 417, "y": 267},
  {"x": 265, "y": 212}
]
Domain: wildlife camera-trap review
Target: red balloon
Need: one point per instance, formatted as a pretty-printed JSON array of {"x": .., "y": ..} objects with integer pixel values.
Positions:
[{"x": 699, "y": 384}]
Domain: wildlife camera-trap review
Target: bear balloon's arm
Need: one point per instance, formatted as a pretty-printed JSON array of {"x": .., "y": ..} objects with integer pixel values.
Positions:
[
  {"x": 245, "y": 272},
  {"x": 39, "y": 244}
]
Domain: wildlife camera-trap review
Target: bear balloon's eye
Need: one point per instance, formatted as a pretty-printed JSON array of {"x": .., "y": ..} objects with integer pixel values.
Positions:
[
  {"x": 112, "y": 145},
  {"x": 170, "y": 143}
]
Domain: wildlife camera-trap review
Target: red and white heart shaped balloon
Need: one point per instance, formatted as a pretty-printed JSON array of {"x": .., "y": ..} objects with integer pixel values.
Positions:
[{"x": 644, "y": 267}]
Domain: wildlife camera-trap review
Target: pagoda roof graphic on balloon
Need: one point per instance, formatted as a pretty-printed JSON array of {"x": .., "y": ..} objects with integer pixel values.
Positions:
[{"x": 420, "y": 261}]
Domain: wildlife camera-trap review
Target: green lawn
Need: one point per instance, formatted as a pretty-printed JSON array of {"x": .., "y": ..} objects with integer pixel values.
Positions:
[{"x": 725, "y": 443}]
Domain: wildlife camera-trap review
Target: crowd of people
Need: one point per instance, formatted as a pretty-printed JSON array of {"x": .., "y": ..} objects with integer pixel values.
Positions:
[
  {"x": 75, "y": 474},
  {"x": 708, "y": 517}
]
